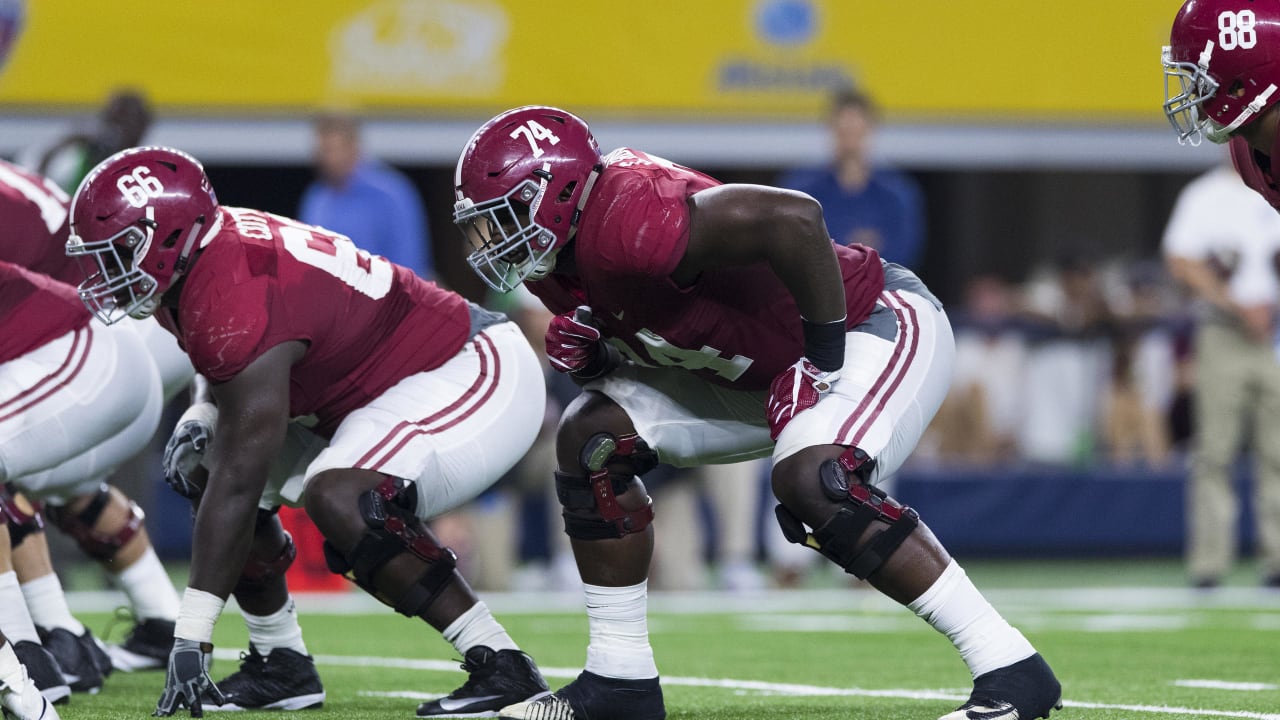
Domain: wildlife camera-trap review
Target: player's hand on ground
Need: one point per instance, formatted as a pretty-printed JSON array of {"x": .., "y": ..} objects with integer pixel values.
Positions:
[
  {"x": 794, "y": 390},
  {"x": 185, "y": 450},
  {"x": 187, "y": 681}
]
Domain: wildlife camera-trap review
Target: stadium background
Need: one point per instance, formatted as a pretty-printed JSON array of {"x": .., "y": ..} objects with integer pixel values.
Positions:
[{"x": 1034, "y": 128}]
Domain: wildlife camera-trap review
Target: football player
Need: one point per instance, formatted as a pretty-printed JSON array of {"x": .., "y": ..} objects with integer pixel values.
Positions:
[
  {"x": 20, "y": 697},
  {"x": 710, "y": 324},
  {"x": 104, "y": 522},
  {"x": 339, "y": 382},
  {"x": 1222, "y": 82}
]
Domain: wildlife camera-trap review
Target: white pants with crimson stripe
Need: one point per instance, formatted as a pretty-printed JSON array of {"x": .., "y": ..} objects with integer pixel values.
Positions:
[
  {"x": 452, "y": 431},
  {"x": 897, "y": 370},
  {"x": 75, "y": 408}
]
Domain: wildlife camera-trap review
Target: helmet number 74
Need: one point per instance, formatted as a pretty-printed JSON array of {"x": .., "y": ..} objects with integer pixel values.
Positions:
[{"x": 534, "y": 131}]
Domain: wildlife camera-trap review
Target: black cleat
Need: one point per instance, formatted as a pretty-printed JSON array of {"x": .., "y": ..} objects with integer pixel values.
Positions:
[
  {"x": 498, "y": 679},
  {"x": 594, "y": 697},
  {"x": 283, "y": 679},
  {"x": 79, "y": 657},
  {"x": 43, "y": 669},
  {"x": 146, "y": 648},
  {"x": 1024, "y": 690}
]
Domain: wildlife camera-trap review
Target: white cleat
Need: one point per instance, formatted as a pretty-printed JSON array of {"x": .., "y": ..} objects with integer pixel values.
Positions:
[{"x": 25, "y": 702}]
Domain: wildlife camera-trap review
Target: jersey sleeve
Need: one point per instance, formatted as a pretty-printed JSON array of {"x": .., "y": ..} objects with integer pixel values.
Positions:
[
  {"x": 228, "y": 328},
  {"x": 645, "y": 230}
]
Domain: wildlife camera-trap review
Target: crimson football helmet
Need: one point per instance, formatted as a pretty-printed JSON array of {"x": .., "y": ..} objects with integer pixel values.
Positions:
[
  {"x": 140, "y": 214},
  {"x": 521, "y": 183},
  {"x": 1221, "y": 66}
]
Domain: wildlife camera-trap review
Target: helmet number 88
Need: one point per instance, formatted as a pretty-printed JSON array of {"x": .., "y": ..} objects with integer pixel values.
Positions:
[{"x": 1235, "y": 30}]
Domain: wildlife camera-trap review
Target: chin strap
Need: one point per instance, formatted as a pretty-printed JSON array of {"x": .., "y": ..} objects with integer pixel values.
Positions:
[{"x": 582, "y": 200}]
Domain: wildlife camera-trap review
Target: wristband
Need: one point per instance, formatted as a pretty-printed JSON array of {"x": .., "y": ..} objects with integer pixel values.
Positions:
[
  {"x": 606, "y": 360},
  {"x": 196, "y": 617},
  {"x": 204, "y": 412},
  {"x": 824, "y": 344}
]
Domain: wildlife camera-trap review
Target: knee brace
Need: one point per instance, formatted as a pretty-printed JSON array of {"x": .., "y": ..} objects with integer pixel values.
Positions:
[
  {"x": 96, "y": 544},
  {"x": 597, "y": 494},
  {"x": 393, "y": 529},
  {"x": 860, "y": 505},
  {"x": 257, "y": 571},
  {"x": 20, "y": 515}
]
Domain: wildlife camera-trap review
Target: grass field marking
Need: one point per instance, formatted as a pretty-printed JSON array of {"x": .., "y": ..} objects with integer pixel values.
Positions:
[
  {"x": 748, "y": 685},
  {"x": 1226, "y": 685}
]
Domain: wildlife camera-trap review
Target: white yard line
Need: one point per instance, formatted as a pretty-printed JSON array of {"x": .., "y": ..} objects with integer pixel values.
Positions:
[
  {"x": 1225, "y": 685},
  {"x": 745, "y": 685}
]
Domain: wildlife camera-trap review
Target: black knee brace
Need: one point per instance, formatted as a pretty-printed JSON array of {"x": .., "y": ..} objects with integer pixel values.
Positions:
[
  {"x": 257, "y": 571},
  {"x": 860, "y": 505},
  {"x": 392, "y": 530},
  {"x": 598, "y": 493},
  {"x": 21, "y": 516},
  {"x": 97, "y": 545}
]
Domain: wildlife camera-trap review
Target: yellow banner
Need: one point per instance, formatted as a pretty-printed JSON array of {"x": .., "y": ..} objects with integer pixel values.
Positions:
[{"x": 680, "y": 59}]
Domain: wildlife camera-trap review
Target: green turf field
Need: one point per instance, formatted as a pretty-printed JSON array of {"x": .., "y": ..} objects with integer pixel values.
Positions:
[{"x": 1125, "y": 638}]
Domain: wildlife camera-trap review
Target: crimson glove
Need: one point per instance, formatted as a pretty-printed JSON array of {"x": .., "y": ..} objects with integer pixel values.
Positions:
[
  {"x": 797, "y": 388},
  {"x": 574, "y": 346}
]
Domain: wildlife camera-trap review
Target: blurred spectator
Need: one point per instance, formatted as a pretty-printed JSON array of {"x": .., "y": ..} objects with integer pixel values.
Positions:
[
  {"x": 863, "y": 202},
  {"x": 1223, "y": 243},
  {"x": 366, "y": 200},
  {"x": 121, "y": 123},
  {"x": 978, "y": 422},
  {"x": 1069, "y": 322}
]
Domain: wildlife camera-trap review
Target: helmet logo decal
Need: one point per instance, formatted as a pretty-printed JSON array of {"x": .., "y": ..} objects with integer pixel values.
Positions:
[
  {"x": 139, "y": 186},
  {"x": 534, "y": 131},
  {"x": 1235, "y": 30}
]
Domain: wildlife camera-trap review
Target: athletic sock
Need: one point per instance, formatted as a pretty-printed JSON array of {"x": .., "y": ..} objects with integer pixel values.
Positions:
[
  {"x": 955, "y": 608},
  {"x": 149, "y": 589},
  {"x": 48, "y": 604},
  {"x": 280, "y": 629},
  {"x": 15, "y": 619},
  {"x": 619, "y": 645},
  {"x": 477, "y": 627}
]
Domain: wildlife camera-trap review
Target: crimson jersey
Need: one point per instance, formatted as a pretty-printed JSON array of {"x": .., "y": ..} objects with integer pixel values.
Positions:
[
  {"x": 737, "y": 326},
  {"x": 1256, "y": 170},
  {"x": 33, "y": 215},
  {"x": 35, "y": 309},
  {"x": 263, "y": 280}
]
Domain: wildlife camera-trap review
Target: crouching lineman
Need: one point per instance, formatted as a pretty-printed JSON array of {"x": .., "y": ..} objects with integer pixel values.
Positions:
[
  {"x": 106, "y": 524},
  {"x": 410, "y": 401},
  {"x": 737, "y": 316}
]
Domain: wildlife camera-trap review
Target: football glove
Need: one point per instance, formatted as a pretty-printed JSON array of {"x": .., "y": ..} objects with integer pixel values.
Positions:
[
  {"x": 796, "y": 389},
  {"x": 186, "y": 447},
  {"x": 575, "y": 346},
  {"x": 187, "y": 680}
]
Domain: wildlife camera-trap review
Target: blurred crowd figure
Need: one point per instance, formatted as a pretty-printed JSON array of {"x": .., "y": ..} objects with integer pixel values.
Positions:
[
  {"x": 372, "y": 203},
  {"x": 863, "y": 200},
  {"x": 122, "y": 122},
  {"x": 1223, "y": 243}
]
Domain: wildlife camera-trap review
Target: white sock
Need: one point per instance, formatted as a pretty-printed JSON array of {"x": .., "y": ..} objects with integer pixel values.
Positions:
[
  {"x": 11, "y": 674},
  {"x": 475, "y": 627},
  {"x": 280, "y": 629},
  {"x": 149, "y": 589},
  {"x": 48, "y": 604},
  {"x": 15, "y": 620},
  {"x": 955, "y": 608},
  {"x": 619, "y": 645}
]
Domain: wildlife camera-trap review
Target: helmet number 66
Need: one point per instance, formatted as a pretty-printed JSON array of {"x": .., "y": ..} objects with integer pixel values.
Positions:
[
  {"x": 1235, "y": 30},
  {"x": 533, "y": 131},
  {"x": 138, "y": 186}
]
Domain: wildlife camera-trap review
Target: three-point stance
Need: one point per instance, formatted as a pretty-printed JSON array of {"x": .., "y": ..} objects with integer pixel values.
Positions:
[
  {"x": 709, "y": 324},
  {"x": 338, "y": 381}
]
